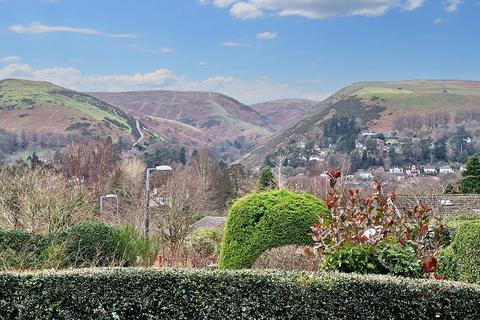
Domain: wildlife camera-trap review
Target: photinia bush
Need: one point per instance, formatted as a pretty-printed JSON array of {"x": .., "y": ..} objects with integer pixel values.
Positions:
[{"x": 403, "y": 242}]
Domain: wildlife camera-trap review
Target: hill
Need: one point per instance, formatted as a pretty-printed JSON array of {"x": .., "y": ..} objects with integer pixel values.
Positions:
[
  {"x": 284, "y": 112},
  {"x": 44, "y": 114},
  {"x": 416, "y": 109},
  {"x": 195, "y": 119}
]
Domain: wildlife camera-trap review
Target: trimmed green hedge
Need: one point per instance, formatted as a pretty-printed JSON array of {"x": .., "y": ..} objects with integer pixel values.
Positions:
[
  {"x": 461, "y": 260},
  {"x": 265, "y": 220},
  {"x": 90, "y": 243},
  {"x": 183, "y": 294}
]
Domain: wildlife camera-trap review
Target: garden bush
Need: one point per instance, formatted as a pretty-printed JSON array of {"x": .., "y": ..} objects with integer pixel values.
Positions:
[
  {"x": 461, "y": 260},
  {"x": 92, "y": 243},
  {"x": 22, "y": 250},
  {"x": 266, "y": 220},
  {"x": 188, "y": 294},
  {"x": 370, "y": 234}
]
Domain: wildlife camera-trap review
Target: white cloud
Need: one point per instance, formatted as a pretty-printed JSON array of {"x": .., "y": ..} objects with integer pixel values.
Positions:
[
  {"x": 244, "y": 10},
  {"x": 142, "y": 48},
  {"x": 72, "y": 78},
  {"x": 413, "y": 4},
  {"x": 36, "y": 27},
  {"x": 236, "y": 44},
  {"x": 247, "y": 91},
  {"x": 452, "y": 5},
  {"x": 124, "y": 36},
  {"x": 203, "y": 63},
  {"x": 438, "y": 21},
  {"x": 315, "y": 9},
  {"x": 267, "y": 35},
  {"x": 9, "y": 59}
]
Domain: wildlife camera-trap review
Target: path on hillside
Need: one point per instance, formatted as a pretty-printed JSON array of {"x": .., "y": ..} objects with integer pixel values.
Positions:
[{"x": 139, "y": 129}]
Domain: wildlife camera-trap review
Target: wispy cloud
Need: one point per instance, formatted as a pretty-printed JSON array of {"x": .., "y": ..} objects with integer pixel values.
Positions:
[
  {"x": 267, "y": 35},
  {"x": 413, "y": 4},
  {"x": 203, "y": 63},
  {"x": 142, "y": 48},
  {"x": 9, "y": 59},
  {"x": 452, "y": 5},
  {"x": 37, "y": 27},
  {"x": 237, "y": 44},
  {"x": 438, "y": 21},
  {"x": 125, "y": 36},
  {"x": 320, "y": 9}
]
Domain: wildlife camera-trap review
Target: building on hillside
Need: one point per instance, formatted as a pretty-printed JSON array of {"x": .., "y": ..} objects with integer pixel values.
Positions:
[
  {"x": 446, "y": 170},
  {"x": 368, "y": 134},
  {"x": 365, "y": 175},
  {"x": 463, "y": 168},
  {"x": 315, "y": 158},
  {"x": 396, "y": 170},
  {"x": 389, "y": 134},
  {"x": 430, "y": 170},
  {"x": 392, "y": 142},
  {"x": 412, "y": 171},
  {"x": 210, "y": 222}
]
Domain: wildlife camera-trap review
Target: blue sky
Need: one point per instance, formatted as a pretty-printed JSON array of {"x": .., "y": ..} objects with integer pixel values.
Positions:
[{"x": 253, "y": 50}]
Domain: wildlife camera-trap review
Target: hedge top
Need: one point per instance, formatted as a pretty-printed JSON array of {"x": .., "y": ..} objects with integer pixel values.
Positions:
[
  {"x": 191, "y": 294},
  {"x": 265, "y": 220}
]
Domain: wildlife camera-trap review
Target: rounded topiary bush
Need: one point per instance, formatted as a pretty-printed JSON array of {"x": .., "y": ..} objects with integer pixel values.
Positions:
[
  {"x": 91, "y": 243},
  {"x": 466, "y": 250},
  {"x": 266, "y": 220}
]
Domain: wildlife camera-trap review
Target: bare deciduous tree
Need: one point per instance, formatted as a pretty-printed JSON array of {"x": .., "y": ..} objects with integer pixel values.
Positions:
[
  {"x": 40, "y": 201},
  {"x": 88, "y": 161}
]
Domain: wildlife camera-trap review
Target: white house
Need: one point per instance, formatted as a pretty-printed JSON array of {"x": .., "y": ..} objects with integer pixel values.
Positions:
[
  {"x": 430, "y": 170},
  {"x": 364, "y": 175},
  {"x": 396, "y": 170},
  {"x": 446, "y": 170}
]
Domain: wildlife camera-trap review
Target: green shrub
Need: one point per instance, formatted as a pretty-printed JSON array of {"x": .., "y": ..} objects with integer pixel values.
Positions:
[
  {"x": 452, "y": 224},
  {"x": 135, "y": 249},
  {"x": 188, "y": 294},
  {"x": 204, "y": 241},
  {"x": 397, "y": 260},
  {"x": 461, "y": 260},
  {"x": 357, "y": 258},
  {"x": 21, "y": 250},
  {"x": 92, "y": 243},
  {"x": 265, "y": 220},
  {"x": 447, "y": 263}
]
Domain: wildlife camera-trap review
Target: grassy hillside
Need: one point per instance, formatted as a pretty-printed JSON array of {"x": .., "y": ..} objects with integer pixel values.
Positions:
[
  {"x": 42, "y": 107},
  {"x": 195, "y": 119},
  {"x": 418, "y": 108}
]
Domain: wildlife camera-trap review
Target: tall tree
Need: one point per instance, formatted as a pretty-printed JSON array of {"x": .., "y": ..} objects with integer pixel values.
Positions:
[
  {"x": 183, "y": 156},
  {"x": 267, "y": 180},
  {"x": 470, "y": 182}
]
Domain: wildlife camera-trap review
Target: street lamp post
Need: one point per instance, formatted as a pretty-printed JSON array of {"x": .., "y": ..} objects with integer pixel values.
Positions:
[
  {"x": 148, "y": 189},
  {"x": 108, "y": 196}
]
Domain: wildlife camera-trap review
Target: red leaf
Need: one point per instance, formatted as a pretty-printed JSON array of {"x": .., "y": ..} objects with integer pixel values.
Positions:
[{"x": 429, "y": 264}]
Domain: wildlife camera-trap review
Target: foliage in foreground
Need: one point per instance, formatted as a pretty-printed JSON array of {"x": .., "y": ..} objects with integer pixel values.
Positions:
[
  {"x": 183, "y": 294},
  {"x": 266, "y": 220},
  {"x": 86, "y": 244},
  {"x": 370, "y": 234},
  {"x": 461, "y": 260}
]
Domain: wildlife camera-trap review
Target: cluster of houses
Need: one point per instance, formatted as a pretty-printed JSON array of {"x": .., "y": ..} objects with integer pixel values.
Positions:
[{"x": 410, "y": 171}]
